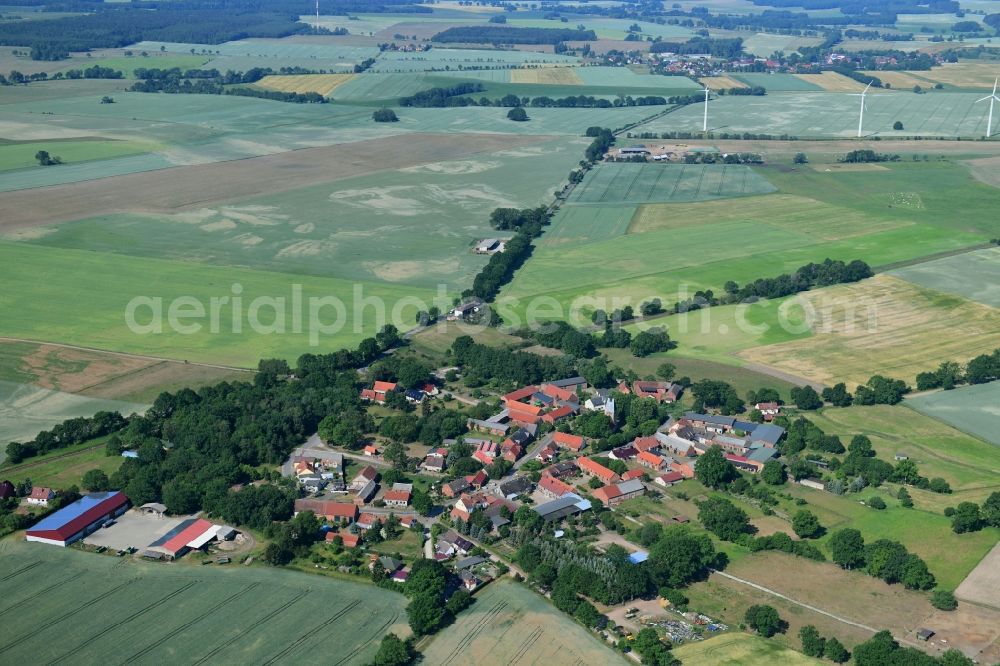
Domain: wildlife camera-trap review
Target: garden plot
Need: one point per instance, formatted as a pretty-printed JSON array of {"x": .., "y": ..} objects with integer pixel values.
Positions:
[{"x": 809, "y": 114}]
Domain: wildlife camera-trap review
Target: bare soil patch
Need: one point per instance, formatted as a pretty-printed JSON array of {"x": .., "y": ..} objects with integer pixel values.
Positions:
[
  {"x": 719, "y": 82},
  {"x": 982, "y": 586},
  {"x": 986, "y": 170},
  {"x": 197, "y": 186},
  {"x": 832, "y": 82},
  {"x": 71, "y": 370},
  {"x": 975, "y": 630}
]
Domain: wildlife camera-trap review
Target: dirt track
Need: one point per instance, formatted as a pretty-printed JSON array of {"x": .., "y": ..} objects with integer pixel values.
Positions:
[{"x": 208, "y": 184}]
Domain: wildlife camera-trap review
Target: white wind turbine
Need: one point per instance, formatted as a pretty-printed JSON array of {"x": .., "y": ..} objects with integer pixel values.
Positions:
[
  {"x": 992, "y": 97},
  {"x": 861, "y": 118},
  {"x": 704, "y": 122}
]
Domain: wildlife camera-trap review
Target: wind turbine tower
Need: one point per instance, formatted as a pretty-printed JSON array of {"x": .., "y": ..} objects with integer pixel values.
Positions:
[
  {"x": 992, "y": 97},
  {"x": 317, "y": 15},
  {"x": 861, "y": 118},
  {"x": 704, "y": 122}
]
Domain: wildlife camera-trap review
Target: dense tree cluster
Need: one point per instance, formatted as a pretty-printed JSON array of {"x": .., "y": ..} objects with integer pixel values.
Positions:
[
  {"x": 971, "y": 517},
  {"x": 501, "y": 34},
  {"x": 213, "y": 82},
  {"x": 384, "y": 116},
  {"x": 882, "y": 650},
  {"x": 68, "y": 433},
  {"x": 505, "y": 366},
  {"x": 501, "y": 267},
  {"x": 718, "y": 48},
  {"x": 867, "y": 155},
  {"x": 881, "y": 390},
  {"x": 979, "y": 370},
  {"x": 442, "y": 97},
  {"x": 884, "y": 559}
]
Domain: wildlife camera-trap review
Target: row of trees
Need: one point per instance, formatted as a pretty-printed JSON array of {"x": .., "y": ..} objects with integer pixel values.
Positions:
[
  {"x": 979, "y": 370},
  {"x": 68, "y": 433},
  {"x": 500, "y": 34},
  {"x": 972, "y": 517}
]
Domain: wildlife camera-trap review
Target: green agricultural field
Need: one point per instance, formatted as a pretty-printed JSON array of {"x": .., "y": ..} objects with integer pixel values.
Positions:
[
  {"x": 98, "y": 608},
  {"x": 21, "y": 155},
  {"x": 155, "y": 59},
  {"x": 834, "y": 115},
  {"x": 77, "y": 303},
  {"x": 371, "y": 87},
  {"x": 740, "y": 650},
  {"x": 549, "y": 121},
  {"x": 448, "y": 58},
  {"x": 27, "y": 410},
  {"x": 763, "y": 44},
  {"x": 64, "y": 467},
  {"x": 970, "y": 465},
  {"x": 973, "y": 409},
  {"x": 268, "y": 52},
  {"x": 665, "y": 183},
  {"x": 776, "y": 82},
  {"x": 425, "y": 219},
  {"x": 576, "y": 225},
  {"x": 509, "y": 623},
  {"x": 626, "y": 78},
  {"x": 973, "y": 275}
]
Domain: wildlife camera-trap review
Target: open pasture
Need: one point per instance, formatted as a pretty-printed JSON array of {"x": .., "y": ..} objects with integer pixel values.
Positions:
[
  {"x": 661, "y": 183},
  {"x": 424, "y": 219},
  {"x": 974, "y": 409},
  {"x": 777, "y": 82},
  {"x": 764, "y": 44},
  {"x": 625, "y": 78},
  {"x": 830, "y": 115},
  {"x": 550, "y": 121},
  {"x": 27, "y": 410},
  {"x": 510, "y": 624},
  {"x": 881, "y": 326},
  {"x": 78, "y": 304},
  {"x": 902, "y": 80},
  {"x": 324, "y": 84},
  {"x": 970, "y": 465},
  {"x": 272, "y": 53},
  {"x": 21, "y": 155},
  {"x": 371, "y": 86},
  {"x": 447, "y": 58},
  {"x": 972, "y": 275},
  {"x": 104, "y": 609},
  {"x": 739, "y": 649}
]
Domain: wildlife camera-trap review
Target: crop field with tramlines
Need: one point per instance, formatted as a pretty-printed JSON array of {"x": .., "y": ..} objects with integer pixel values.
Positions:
[
  {"x": 60, "y": 604},
  {"x": 510, "y": 624}
]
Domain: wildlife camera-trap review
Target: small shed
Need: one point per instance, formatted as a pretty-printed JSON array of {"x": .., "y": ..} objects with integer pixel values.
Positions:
[
  {"x": 153, "y": 509},
  {"x": 925, "y": 634}
]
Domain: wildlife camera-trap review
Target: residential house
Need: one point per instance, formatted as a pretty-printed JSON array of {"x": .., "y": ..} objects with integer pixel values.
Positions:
[
  {"x": 665, "y": 392},
  {"x": 486, "y": 452},
  {"x": 668, "y": 479},
  {"x": 513, "y": 486},
  {"x": 41, "y": 496},
  {"x": 559, "y": 393},
  {"x": 651, "y": 460},
  {"x": 489, "y": 427},
  {"x": 601, "y": 401},
  {"x": 553, "y": 487},
  {"x": 641, "y": 444},
  {"x": 455, "y": 488},
  {"x": 435, "y": 460},
  {"x": 466, "y": 504},
  {"x": 683, "y": 465},
  {"x": 574, "y": 443},
  {"x": 633, "y": 474},
  {"x": 312, "y": 483},
  {"x": 365, "y": 494},
  {"x": 365, "y": 475},
  {"x": 744, "y": 463},
  {"x": 558, "y": 414},
  {"x": 768, "y": 409},
  {"x": 675, "y": 445},
  {"x": 562, "y": 468},
  {"x": 624, "y": 453},
  {"x": 371, "y": 451},
  {"x": 378, "y": 392},
  {"x": 588, "y": 466},
  {"x": 614, "y": 494},
  {"x": 396, "y": 498},
  {"x": 548, "y": 453},
  {"x": 468, "y": 579},
  {"x": 349, "y": 540},
  {"x": 414, "y": 396},
  {"x": 478, "y": 479},
  {"x": 366, "y": 520}
]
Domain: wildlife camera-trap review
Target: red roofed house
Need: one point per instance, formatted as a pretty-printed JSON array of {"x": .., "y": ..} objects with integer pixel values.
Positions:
[
  {"x": 557, "y": 414},
  {"x": 371, "y": 450},
  {"x": 633, "y": 474},
  {"x": 520, "y": 394},
  {"x": 365, "y": 476},
  {"x": 335, "y": 512},
  {"x": 79, "y": 519},
  {"x": 523, "y": 417},
  {"x": 645, "y": 443},
  {"x": 512, "y": 453},
  {"x": 435, "y": 459},
  {"x": 40, "y": 496},
  {"x": 381, "y": 388},
  {"x": 366, "y": 520},
  {"x": 478, "y": 479},
  {"x": 651, "y": 460},
  {"x": 743, "y": 463},
  {"x": 685, "y": 467},
  {"x": 548, "y": 453},
  {"x": 768, "y": 409},
  {"x": 559, "y": 393},
  {"x": 349, "y": 540},
  {"x": 668, "y": 479},
  {"x": 588, "y": 466},
  {"x": 574, "y": 443},
  {"x": 659, "y": 391},
  {"x": 369, "y": 394},
  {"x": 553, "y": 487},
  {"x": 396, "y": 498},
  {"x": 453, "y": 488}
]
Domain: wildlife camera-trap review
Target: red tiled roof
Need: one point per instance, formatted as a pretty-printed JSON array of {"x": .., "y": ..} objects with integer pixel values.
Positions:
[
  {"x": 383, "y": 387},
  {"x": 520, "y": 394},
  {"x": 369, "y": 394},
  {"x": 523, "y": 417},
  {"x": 557, "y": 414},
  {"x": 41, "y": 493},
  {"x": 632, "y": 474},
  {"x": 650, "y": 458},
  {"x": 645, "y": 443},
  {"x": 597, "y": 469},
  {"x": 558, "y": 393},
  {"x": 671, "y": 477},
  {"x": 571, "y": 442},
  {"x": 397, "y": 496},
  {"x": 368, "y": 472},
  {"x": 554, "y": 485},
  {"x": 327, "y": 508}
]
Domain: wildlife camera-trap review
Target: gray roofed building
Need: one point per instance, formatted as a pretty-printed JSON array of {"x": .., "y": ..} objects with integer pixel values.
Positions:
[
  {"x": 515, "y": 485},
  {"x": 569, "y": 383},
  {"x": 762, "y": 454},
  {"x": 469, "y": 562},
  {"x": 745, "y": 426},
  {"x": 767, "y": 433},
  {"x": 711, "y": 419},
  {"x": 557, "y": 509}
]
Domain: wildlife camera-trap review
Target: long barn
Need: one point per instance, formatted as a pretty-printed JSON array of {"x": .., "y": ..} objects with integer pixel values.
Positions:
[{"x": 73, "y": 522}]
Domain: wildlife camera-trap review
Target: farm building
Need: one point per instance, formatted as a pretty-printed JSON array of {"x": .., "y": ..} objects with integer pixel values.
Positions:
[
  {"x": 41, "y": 496},
  {"x": 614, "y": 494},
  {"x": 153, "y": 509},
  {"x": 190, "y": 534},
  {"x": 7, "y": 490},
  {"x": 490, "y": 246},
  {"x": 79, "y": 519},
  {"x": 567, "y": 505}
]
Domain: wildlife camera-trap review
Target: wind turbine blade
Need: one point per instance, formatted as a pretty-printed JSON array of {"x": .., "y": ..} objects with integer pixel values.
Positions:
[
  {"x": 995, "y": 81},
  {"x": 983, "y": 99}
]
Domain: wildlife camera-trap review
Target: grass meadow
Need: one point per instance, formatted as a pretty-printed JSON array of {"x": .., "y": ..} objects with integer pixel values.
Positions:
[
  {"x": 102, "y": 608},
  {"x": 972, "y": 409},
  {"x": 739, "y": 649},
  {"x": 509, "y": 623},
  {"x": 664, "y": 183},
  {"x": 972, "y": 275},
  {"x": 64, "y": 467},
  {"x": 21, "y": 155}
]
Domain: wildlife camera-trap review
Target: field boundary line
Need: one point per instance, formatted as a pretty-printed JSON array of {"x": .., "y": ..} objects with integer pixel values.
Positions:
[
  {"x": 885, "y": 268},
  {"x": 126, "y": 354},
  {"x": 36, "y": 463},
  {"x": 806, "y": 606}
]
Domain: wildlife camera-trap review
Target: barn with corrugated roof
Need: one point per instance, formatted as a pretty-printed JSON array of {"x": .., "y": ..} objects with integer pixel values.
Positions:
[{"x": 73, "y": 522}]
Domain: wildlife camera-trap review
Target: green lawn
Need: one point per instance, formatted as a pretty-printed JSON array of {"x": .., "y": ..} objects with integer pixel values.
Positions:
[
  {"x": 61, "y": 472},
  {"x": 99, "y": 608},
  {"x": 21, "y": 155},
  {"x": 740, "y": 649},
  {"x": 80, "y": 303}
]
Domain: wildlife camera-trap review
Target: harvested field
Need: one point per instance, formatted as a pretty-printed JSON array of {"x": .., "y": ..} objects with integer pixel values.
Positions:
[
  {"x": 973, "y": 75},
  {"x": 556, "y": 76},
  {"x": 324, "y": 84},
  {"x": 847, "y": 168},
  {"x": 777, "y": 82},
  {"x": 201, "y": 185},
  {"x": 902, "y": 80},
  {"x": 973, "y": 409},
  {"x": 721, "y": 82},
  {"x": 972, "y": 275},
  {"x": 832, "y": 82},
  {"x": 110, "y": 610},
  {"x": 986, "y": 170},
  {"x": 739, "y": 649},
  {"x": 982, "y": 586},
  {"x": 881, "y": 326},
  {"x": 510, "y": 624}
]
